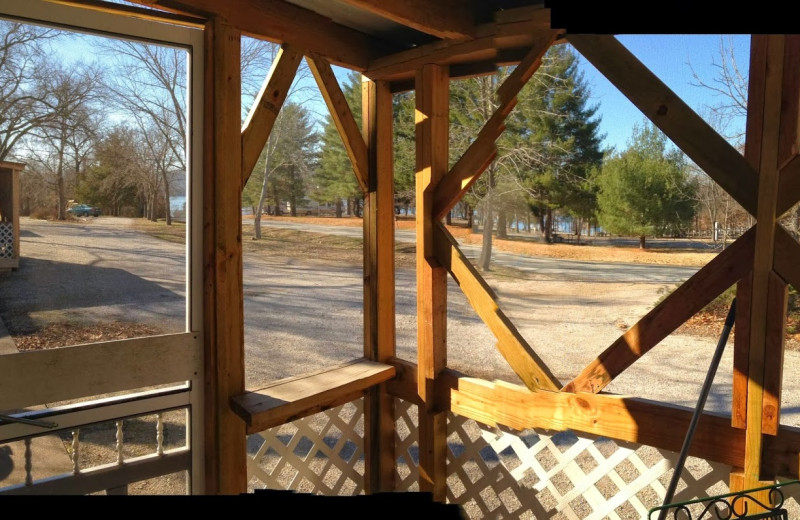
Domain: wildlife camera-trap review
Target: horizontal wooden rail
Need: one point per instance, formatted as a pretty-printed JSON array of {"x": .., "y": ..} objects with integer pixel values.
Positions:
[
  {"x": 289, "y": 399},
  {"x": 642, "y": 421},
  {"x": 47, "y": 376}
]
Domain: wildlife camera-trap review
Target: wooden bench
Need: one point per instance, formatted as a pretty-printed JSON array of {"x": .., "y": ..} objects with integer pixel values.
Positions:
[{"x": 283, "y": 401}]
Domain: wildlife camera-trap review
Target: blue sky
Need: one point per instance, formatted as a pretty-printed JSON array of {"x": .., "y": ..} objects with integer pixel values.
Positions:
[{"x": 668, "y": 57}]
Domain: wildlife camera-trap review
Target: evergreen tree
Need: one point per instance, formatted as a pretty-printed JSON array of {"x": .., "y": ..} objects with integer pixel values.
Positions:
[
  {"x": 553, "y": 141},
  {"x": 646, "y": 190},
  {"x": 334, "y": 180}
]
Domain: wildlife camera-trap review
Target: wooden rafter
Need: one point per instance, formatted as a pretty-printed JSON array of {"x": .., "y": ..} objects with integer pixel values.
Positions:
[
  {"x": 267, "y": 106},
  {"x": 443, "y": 18},
  {"x": 695, "y": 293},
  {"x": 283, "y": 22},
  {"x": 483, "y": 150},
  {"x": 672, "y": 115},
  {"x": 490, "y": 39},
  {"x": 516, "y": 351},
  {"x": 342, "y": 117},
  {"x": 134, "y": 12}
]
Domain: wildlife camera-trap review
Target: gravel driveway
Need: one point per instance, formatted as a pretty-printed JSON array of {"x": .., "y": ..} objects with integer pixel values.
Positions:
[{"x": 303, "y": 315}]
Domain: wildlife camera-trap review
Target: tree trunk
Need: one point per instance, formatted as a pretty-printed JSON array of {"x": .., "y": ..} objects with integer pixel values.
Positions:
[
  {"x": 349, "y": 207},
  {"x": 469, "y": 216},
  {"x": 166, "y": 197},
  {"x": 486, "y": 243},
  {"x": 642, "y": 243},
  {"x": 262, "y": 197},
  {"x": 449, "y": 219},
  {"x": 338, "y": 207},
  {"x": 502, "y": 228},
  {"x": 547, "y": 223},
  {"x": 61, "y": 195}
]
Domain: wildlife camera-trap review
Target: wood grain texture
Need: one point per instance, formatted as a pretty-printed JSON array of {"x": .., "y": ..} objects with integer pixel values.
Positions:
[
  {"x": 432, "y": 127},
  {"x": 766, "y": 68},
  {"x": 672, "y": 115},
  {"x": 695, "y": 293},
  {"x": 453, "y": 19},
  {"x": 789, "y": 186},
  {"x": 647, "y": 422},
  {"x": 290, "y": 399},
  {"x": 777, "y": 300},
  {"x": 342, "y": 117},
  {"x": 786, "y": 262},
  {"x": 482, "y": 151},
  {"x": 379, "y": 281},
  {"x": 741, "y": 353},
  {"x": 283, "y": 22},
  {"x": 530, "y": 368},
  {"x": 222, "y": 255},
  {"x": 266, "y": 107},
  {"x": 47, "y": 376},
  {"x": 517, "y": 29}
]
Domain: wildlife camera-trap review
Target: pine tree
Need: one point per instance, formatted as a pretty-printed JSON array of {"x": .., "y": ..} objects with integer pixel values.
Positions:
[
  {"x": 646, "y": 190},
  {"x": 334, "y": 180},
  {"x": 553, "y": 139}
]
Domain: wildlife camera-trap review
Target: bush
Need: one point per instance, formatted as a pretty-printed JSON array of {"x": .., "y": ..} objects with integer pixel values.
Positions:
[{"x": 43, "y": 214}]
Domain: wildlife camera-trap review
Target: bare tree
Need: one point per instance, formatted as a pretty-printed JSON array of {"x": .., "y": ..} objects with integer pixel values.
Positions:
[
  {"x": 59, "y": 144},
  {"x": 727, "y": 116},
  {"x": 149, "y": 84},
  {"x": 257, "y": 58},
  {"x": 22, "y": 94}
]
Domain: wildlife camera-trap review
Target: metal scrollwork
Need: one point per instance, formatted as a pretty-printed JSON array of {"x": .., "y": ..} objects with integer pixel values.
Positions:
[{"x": 730, "y": 506}]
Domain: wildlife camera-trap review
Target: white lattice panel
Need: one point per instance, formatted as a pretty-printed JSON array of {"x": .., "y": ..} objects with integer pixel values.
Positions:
[
  {"x": 322, "y": 453},
  {"x": 6, "y": 240},
  {"x": 497, "y": 473},
  {"x": 406, "y": 434}
]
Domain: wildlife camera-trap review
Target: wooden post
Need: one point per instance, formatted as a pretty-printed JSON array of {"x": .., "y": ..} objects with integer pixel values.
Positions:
[
  {"x": 379, "y": 300},
  {"x": 226, "y": 464},
  {"x": 432, "y": 113},
  {"x": 764, "y": 114}
]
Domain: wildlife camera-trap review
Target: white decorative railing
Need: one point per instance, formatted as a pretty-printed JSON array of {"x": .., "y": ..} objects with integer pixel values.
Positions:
[
  {"x": 6, "y": 240},
  {"x": 87, "y": 453}
]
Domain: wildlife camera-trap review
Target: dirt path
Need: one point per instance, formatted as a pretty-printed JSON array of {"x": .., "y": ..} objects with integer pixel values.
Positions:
[{"x": 306, "y": 314}]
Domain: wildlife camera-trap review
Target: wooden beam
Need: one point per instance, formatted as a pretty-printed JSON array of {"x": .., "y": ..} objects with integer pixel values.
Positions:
[
  {"x": 134, "y": 12},
  {"x": 432, "y": 126},
  {"x": 379, "y": 282},
  {"x": 777, "y": 300},
  {"x": 267, "y": 106},
  {"x": 452, "y": 19},
  {"x": 290, "y": 399},
  {"x": 483, "y": 150},
  {"x": 284, "y": 22},
  {"x": 741, "y": 350},
  {"x": 490, "y": 40},
  {"x": 342, "y": 117},
  {"x": 789, "y": 136},
  {"x": 766, "y": 75},
  {"x": 789, "y": 186},
  {"x": 672, "y": 115},
  {"x": 226, "y": 461},
  {"x": 787, "y": 257},
  {"x": 695, "y": 293},
  {"x": 520, "y": 356},
  {"x": 623, "y": 418}
]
